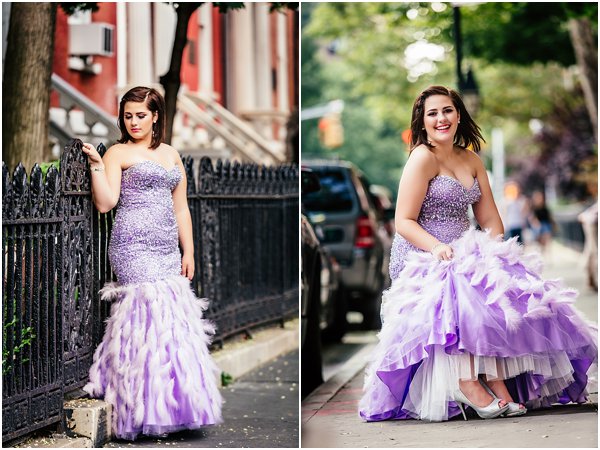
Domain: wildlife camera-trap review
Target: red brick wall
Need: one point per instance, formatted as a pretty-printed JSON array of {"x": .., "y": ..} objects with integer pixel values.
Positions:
[
  {"x": 189, "y": 72},
  {"x": 101, "y": 88},
  {"x": 219, "y": 56}
]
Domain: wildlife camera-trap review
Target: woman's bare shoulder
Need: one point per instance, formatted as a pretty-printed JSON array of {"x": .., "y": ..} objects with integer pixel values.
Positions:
[
  {"x": 115, "y": 151},
  {"x": 170, "y": 150},
  {"x": 474, "y": 161},
  {"x": 422, "y": 158},
  {"x": 423, "y": 150}
]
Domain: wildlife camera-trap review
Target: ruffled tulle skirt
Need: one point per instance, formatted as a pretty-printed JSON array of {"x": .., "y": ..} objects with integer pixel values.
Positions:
[
  {"x": 485, "y": 312},
  {"x": 153, "y": 365}
]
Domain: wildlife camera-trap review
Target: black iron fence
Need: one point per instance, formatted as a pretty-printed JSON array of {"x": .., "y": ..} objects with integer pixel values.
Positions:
[{"x": 245, "y": 221}]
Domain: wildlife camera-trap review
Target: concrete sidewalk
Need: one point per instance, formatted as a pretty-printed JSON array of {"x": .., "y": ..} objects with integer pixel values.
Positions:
[
  {"x": 238, "y": 358},
  {"x": 241, "y": 355},
  {"x": 260, "y": 410},
  {"x": 330, "y": 417}
]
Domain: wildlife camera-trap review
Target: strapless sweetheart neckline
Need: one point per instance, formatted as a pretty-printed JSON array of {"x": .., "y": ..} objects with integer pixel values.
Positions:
[
  {"x": 151, "y": 162},
  {"x": 456, "y": 180}
]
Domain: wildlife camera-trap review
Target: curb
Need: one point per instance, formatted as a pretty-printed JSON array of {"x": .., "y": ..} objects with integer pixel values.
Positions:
[
  {"x": 320, "y": 396},
  {"x": 241, "y": 357}
]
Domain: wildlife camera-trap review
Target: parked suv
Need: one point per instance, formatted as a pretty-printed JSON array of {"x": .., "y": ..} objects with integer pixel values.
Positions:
[
  {"x": 320, "y": 275},
  {"x": 345, "y": 217}
]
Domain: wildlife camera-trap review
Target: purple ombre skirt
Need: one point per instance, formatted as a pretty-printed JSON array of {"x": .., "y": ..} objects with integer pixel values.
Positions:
[
  {"x": 485, "y": 312},
  {"x": 153, "y": 364}
]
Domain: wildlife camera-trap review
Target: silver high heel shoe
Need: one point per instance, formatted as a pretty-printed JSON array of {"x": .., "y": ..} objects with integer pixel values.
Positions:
[
  {"x": 514, "y": 408},
  {"x": 485, "y": 412}
]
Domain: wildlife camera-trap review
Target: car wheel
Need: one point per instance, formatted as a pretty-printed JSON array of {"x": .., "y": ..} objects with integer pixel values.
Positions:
[
  {"x": 312, "y": 365},
  {"x": 372, "y": 312},
  {"x": 336, "y": 330}
]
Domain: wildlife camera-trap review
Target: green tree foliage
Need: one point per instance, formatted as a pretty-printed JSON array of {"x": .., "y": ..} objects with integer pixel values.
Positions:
[
  {"x": 524, "y": 32},
  {"x": 372, "y": 146},
  {"x": 521, "y": 54},
  {"x": 369, "y": 142},
  {"x": 71, "y": 8},
  {"x": 519, "y": 33},
  {"x": 564, "y": 144},
  {"x": 372, "y": 40},
  {"x": 312, "y": 73}
]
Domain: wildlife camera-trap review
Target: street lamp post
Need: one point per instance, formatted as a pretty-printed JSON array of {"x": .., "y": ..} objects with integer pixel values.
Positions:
[
  {"x": 467, "y": 87},
  {"x": 458, "y": 46},
  {"x": 469, "y": 92}
]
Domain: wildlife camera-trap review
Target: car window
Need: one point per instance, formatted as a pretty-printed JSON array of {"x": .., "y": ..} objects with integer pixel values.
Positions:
[{"x": 335, "y": 195}]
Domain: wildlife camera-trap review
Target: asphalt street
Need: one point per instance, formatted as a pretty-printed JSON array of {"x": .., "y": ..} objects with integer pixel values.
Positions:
[
  {"x": 330, "y": 417},
  {"x": 260, "y": 410}
]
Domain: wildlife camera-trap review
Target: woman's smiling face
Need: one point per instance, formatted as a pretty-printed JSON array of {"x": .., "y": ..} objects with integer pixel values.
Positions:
[
  {"x": 138, "y": 120},
  {"x": 440, "y": 119}
]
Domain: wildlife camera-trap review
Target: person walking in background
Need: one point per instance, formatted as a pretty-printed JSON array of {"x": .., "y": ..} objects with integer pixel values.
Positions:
[
  {"x": 468, "y": 320},
  {"x": 541, "y": 220},
  {"x": 153, "y": 364},
  {"x": 516, "y": 211}
]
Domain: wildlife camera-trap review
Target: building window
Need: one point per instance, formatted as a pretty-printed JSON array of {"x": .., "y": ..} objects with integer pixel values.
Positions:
[{"x": 192, "y": 52}]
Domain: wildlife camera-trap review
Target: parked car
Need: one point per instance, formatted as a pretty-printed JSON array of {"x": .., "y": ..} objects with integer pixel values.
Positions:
[
  {"x": 344, "y": 213},
  {"x": 385, "y": 206},
  {"x": 319, "y": 291},
  {"x": 333, "y": 317},
  {"x": 310, "y": 292},
  {"x": 382, "y": 198}
]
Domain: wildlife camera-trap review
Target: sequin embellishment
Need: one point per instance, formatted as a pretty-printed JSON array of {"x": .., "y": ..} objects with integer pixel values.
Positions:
[
  {"x": 144, "y": 243},
  {"x": 444, "y": 214}
]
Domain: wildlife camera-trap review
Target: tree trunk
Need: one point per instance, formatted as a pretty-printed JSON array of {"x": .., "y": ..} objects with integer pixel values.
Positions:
[
  {"x": 586, "y": 53},
  {"x": 171, "y": 81},
  {"x": 26, "y": 83}
]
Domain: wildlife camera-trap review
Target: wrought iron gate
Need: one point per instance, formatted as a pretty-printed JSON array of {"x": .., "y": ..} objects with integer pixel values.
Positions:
[{"x": 245, "y": 221}]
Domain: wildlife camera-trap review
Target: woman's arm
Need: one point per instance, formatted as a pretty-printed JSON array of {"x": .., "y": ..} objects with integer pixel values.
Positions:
[
  {"x": 184, "y": 222},
  {"x": 420, "y": 168},
  {"x": 485, "y": 210},
  {"x": 106, "y": 176}
]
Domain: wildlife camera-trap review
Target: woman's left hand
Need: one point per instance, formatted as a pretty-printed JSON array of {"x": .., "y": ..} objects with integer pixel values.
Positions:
[{"x": 187, "y": 266}]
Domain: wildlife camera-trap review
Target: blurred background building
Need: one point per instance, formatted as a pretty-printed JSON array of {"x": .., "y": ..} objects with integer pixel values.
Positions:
[{"x": 238, "y": 82}]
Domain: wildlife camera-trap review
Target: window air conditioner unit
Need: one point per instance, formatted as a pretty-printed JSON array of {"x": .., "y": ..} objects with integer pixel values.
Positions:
[{"x": 91, "y": 39}]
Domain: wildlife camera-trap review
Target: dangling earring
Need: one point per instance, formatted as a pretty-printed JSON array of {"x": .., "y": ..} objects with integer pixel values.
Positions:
[{"x": 153, "y": 130}]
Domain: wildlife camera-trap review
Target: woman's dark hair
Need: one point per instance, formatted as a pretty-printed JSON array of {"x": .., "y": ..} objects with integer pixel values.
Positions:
[
  {"x": 154, "y": 102},
  {"x": 468, "y": 132}
]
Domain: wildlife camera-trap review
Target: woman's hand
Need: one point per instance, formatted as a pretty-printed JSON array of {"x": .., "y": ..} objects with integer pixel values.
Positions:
[
  {"x": 187, "y": 266},
  {"x": 94, "y": 157},
  {"x": 442, "y": 252}
]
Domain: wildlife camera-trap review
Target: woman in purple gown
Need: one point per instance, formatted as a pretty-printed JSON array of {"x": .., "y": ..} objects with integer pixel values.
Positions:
[
  {"x": 468, "y": 319},
  {"x": 153, "y": 365}
]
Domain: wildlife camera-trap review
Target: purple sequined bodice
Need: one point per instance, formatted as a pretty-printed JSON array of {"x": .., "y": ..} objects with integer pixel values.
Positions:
[
  {"x": 144, "y": 239},
  {"x": 444, "y": 214}
]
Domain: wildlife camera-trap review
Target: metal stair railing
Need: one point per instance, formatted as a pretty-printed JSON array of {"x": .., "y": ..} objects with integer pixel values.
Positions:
[
  {"x": 196, "y": 114},
  {"x": 241, "y": 137},
  {"x": 70, "y": 98},
  {"x": 234, "y": 130}
]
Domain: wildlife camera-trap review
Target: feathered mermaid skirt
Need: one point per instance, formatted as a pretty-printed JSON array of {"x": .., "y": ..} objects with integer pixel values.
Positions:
[
  {"x": 153, "y": 365},
  {"x": 485, "y": 312}
]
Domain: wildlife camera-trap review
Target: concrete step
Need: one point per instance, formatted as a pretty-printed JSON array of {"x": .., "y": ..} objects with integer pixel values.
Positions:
[{"x": 89, "y": 418}]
